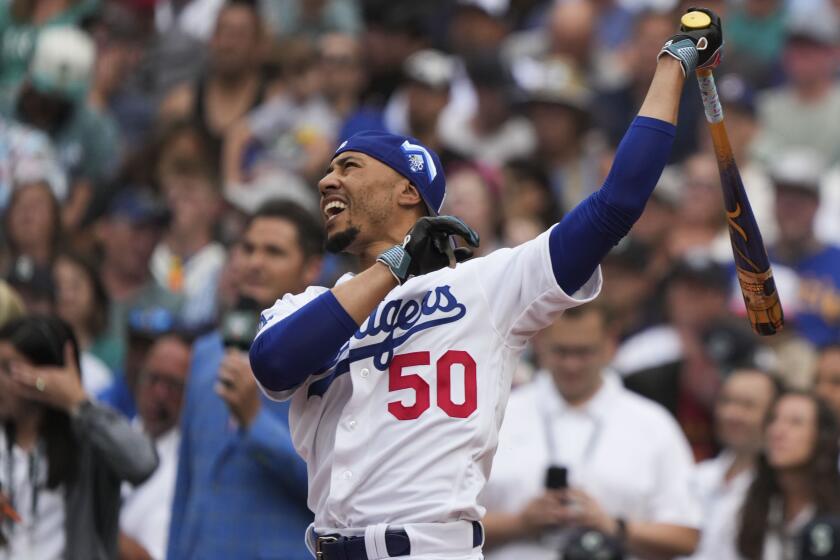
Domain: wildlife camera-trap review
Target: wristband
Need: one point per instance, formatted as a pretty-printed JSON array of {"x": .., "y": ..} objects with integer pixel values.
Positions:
[
  {"x": 397, "y": 260},
  {"x": 684, "y": 50}
]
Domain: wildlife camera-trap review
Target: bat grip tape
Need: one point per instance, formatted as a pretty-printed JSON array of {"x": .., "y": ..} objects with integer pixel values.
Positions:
[{"x": 709, "y": 94}]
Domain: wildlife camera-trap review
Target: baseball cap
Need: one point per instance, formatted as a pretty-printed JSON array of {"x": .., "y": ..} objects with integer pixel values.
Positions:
[
  {"x": 431, "y": 68},
  {"x": 488, "y": 70},
  {"x": 818, "y": 28},
  {"x": 554, "y": 81},
  {"x": 151, "y": 322},
  {"x": 406, "y": 156},
  {"x": 800, "y": 169},
  {"x": 701, "y": 269},
  {"x": 493, "y": 8},
  {"x": 630, "y": 254},
  {"x": 139, "y": 207},
  {"x": 62, "y": 64},
  {"x": 735, "y": 92}
]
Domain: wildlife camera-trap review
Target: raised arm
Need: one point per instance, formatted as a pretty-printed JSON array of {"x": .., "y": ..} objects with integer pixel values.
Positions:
[{"x": 585, "y": 236}]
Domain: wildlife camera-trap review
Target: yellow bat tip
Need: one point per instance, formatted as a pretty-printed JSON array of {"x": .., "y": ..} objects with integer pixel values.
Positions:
[{"x": 695, "y": 20}]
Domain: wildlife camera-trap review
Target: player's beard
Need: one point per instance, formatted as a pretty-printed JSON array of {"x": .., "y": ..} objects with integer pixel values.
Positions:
[{"x": 342, "y": 240}]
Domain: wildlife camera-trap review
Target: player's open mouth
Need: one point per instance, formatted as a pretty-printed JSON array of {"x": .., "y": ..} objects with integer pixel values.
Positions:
[{"x": 333, "y": 209}]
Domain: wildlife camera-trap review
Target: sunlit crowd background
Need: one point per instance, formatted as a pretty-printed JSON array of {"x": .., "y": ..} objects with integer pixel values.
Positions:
[{"x": 159, "y": 162}]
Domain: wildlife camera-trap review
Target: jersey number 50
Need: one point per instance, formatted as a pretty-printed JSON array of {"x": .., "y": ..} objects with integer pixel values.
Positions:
[{"x": 398, "y": 379}]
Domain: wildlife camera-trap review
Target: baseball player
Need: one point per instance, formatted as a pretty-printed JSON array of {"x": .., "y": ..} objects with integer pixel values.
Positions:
[{"x": 399, "y": 374}]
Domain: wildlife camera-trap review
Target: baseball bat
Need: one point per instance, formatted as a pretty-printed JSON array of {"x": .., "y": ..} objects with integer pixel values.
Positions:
[{"x": 764, "y": 310}]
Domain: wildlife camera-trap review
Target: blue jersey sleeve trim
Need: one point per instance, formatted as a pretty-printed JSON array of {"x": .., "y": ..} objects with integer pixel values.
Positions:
[{"x": 302, "y": 344}]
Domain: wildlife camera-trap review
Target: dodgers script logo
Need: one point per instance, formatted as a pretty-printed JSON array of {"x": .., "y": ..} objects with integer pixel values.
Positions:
[
  {"x": 398, "y": 320},
  {"x": 408, "y": 317}
]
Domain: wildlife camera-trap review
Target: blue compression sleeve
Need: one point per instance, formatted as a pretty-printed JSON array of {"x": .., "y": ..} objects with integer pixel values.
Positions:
[
  {"x": 304, "y": 343},
  {"x": 586, "y": 234}
]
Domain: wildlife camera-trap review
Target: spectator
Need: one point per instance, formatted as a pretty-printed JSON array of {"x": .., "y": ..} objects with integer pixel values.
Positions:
[
  {"x": 828, "y": 377},
  {"x": 393, "y": 32},
  {"x": 120, "y": 84},
  {"x": 52, "y": 99},
  {"x": 32, "y": 225},
  {"x": 628, "y": 463},
  {"x": 796, "y": 177},
  {"x": 418, "y": 106},
  {"x": 128, "y": 235},
  {"x": 472, "y": 194},
  {"x": 659, "y": 217},
  {"x": 145, "y": 326},
  {"x": 617, "y": 100},
  {"x": 681, "y": 362},
  {"x": 22, "y": 21},
  {"x": 177, "y": 51},
  {"x": 241, "y": 487},
  {"x": 700, "y": 224},
  {"x": 806, "y": 112},
  {"x": 293, "y": 132},
  {"x": 26, "y": 153},
  {"x": 342, "y": 72},
  {"x": 558, "y": 105},
  {"x": 233, "y": 82},
  {"x": 796, "y": 478},
  {"x": 66, "y": 454},
  {"x": 629, "y": 288},
  {"x": 81, "y": 301},
  {"x": 146, "y": 509},
  {"x": 526, "y": 193},
  {"x": 721, "y": 484},
  {"x": 490, "y": 133},
  {"x": 415, "y": 109},
  {"x": 187, "y": 261}
]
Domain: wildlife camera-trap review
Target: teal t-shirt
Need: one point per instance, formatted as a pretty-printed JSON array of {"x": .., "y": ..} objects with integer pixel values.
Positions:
[
  {"x": 762, "y": 38},
  {"x": 17, "y": 39}
]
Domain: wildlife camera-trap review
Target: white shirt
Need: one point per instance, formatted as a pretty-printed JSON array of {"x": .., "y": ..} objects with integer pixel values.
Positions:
[
  {"x": 197, "y": 279},
  {"x": 146, "y": 509},
  {"x": 403, "y": 429},
  {"x": 95, "y": 374},
  {"x": 721, "y": 502},
  {"x": 41, "y": 532},
  {"x": 197, "y": 18},
  {"x": 625, "y": 451}
]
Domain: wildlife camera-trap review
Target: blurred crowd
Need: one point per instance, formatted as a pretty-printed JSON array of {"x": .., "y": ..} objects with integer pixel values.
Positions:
[{"x": 159, "y": 162}]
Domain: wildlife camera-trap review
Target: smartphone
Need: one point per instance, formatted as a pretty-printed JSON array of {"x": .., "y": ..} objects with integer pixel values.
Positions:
[{"x": 557, "y": 478}]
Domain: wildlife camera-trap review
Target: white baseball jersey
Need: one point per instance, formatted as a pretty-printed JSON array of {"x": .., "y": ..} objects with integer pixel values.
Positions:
[{"x": 403, "y": 425}]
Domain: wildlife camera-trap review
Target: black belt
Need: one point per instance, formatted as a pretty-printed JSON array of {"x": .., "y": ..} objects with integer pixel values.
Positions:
[{"x": 397, "y": 543}]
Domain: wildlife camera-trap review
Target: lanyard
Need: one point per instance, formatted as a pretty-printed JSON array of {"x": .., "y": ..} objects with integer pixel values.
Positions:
[
  {"x": 551, "y": 439},
  {"x": 33, "y": 473}
]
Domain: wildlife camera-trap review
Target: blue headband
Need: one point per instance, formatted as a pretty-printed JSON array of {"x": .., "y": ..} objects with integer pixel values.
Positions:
[{"x": 407, "y": 157}]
